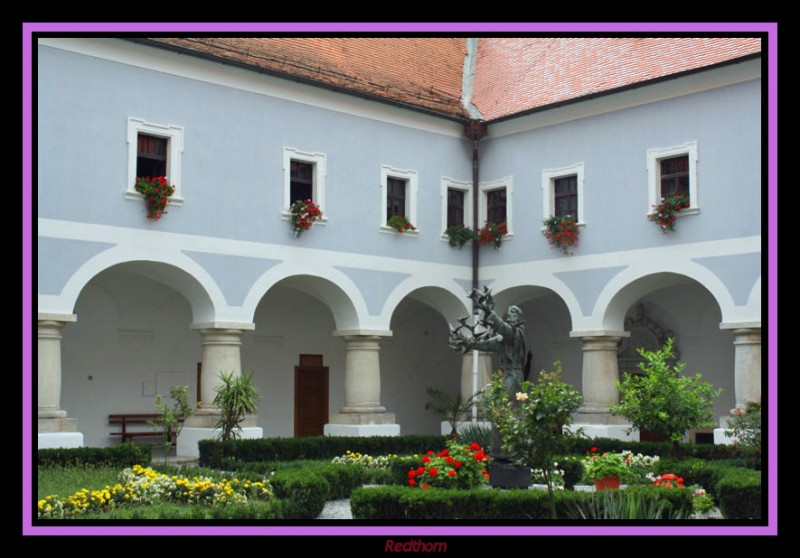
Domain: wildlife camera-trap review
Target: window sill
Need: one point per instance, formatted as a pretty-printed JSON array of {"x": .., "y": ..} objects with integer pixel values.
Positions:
[
  {"x": 136, "y": 196},
  {"x": 683, "y": 212},
  {"x": 389, "y": 230},
  {"x": 286, "y": 216}
]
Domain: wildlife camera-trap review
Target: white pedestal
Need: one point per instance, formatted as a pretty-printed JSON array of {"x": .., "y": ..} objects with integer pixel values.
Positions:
[
  {"x": 721, "y": 438},
  {"x": 190, "y": 436},
  {"x": 361, "y": 430},
  {"x": 614, "y": 431},
  {"x": 50, "y": 440}
]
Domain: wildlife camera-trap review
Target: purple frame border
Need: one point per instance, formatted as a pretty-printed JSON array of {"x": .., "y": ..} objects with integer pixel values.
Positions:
[{"x": 769, "y": 28}]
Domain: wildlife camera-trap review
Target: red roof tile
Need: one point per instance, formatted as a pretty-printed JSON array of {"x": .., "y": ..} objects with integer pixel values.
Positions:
[{"x": 513, "y": 75}]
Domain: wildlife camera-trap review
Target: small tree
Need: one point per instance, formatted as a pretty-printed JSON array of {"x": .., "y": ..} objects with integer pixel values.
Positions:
[
  {"x": 236, "y": 398},
  {"x": 449, "y": 407},
  {"x": 172, "y": 418},
  {"x": 531, "y": 425},
  {"x": 664, "y": 401}
]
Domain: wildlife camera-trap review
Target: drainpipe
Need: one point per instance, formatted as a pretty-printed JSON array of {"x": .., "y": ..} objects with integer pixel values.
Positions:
[{"x": 475, "y": 130}]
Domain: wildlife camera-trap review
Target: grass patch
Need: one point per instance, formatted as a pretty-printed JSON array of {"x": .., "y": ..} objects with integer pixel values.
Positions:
[{"x": 64, "y": 481}]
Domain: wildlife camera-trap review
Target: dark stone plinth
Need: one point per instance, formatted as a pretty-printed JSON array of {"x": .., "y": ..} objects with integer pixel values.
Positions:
[{"x": 503, "y": 474}]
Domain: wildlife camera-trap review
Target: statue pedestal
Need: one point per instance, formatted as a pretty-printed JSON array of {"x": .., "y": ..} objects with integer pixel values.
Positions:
[{"x": 508, "y": 475}]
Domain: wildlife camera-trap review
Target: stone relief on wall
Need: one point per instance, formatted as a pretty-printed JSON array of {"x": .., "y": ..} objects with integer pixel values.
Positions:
[{"x": 645, "y": 333}]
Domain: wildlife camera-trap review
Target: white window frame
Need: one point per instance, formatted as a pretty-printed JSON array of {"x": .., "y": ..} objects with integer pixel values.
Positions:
[
  {"x": 654, "y": 175},
  {"x": 549, "y": 177},
  {"x": 319, "y": 161},
  {"x": 466, "y": 187},
  {"x": 411, "y": 178},
  {"x": 484, "y": 188},
  {"x": 174, "y": 136}
]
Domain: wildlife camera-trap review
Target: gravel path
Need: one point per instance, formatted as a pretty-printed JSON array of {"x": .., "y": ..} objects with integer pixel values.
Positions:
[{"x": 336, "y": 509}]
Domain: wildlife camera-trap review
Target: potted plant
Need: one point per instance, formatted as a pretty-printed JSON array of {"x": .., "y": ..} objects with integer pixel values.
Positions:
[
  {"x": 702, "y": 503},
  {"x": 156, "y": 192},
  {"x": 492, "y": 233},
  {"x": 606, "y": 469},
  {"x": 458, "y": 235},
  {"x": 562, "y": 232},
  {"x": 304, "y": 213},
  {"x": 400, "y": 223},
  {"x": 664, "y": 213}
]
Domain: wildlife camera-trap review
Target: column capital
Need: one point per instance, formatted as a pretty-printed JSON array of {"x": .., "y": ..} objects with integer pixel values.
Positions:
[
  {"x": 223, "y": 326},
  {"x": 600, "y": 334},
  {"x": 376, "y": 333},
  {"x": 59, "y": 318}
]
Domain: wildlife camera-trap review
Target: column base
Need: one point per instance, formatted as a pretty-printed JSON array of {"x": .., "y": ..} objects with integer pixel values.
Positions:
[
  {"x": 361, "y": 430},
  {"x": 597, "y": 416},
  {"x": 52, "y": 440},
  {"x": 57, "y": 424},
  {"x": 613, "y": 431},
  {"x": 721, "y": 438},
  {"x": 191, "y": 435}
]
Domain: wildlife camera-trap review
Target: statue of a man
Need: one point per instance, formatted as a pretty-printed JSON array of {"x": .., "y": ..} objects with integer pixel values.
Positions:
[{"x": 505, "y": 337}]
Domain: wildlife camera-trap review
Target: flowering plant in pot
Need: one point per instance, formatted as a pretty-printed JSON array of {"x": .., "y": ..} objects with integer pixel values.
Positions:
[
  {"x": 664, "y": 213},
  {"x": 669, "y": 480},
  {"x": 304, "y": 213},
  {"x": 458, "y": 235},
  {"x": 562, "y": 232},
  {"x": 604, "y": 465},
  {"x": 702, "y": 502},
  {"x": 459, "y": 465},
  {"x": 400, "y": 223},
  {"x": 156, "y": 191},
  {"x": 492, "y": 233}
]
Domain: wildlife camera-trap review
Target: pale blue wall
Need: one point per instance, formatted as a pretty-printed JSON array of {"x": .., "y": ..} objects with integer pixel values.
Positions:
[
  {"x": 232, "y": 177},
  {"x": 726, "y": 123}
]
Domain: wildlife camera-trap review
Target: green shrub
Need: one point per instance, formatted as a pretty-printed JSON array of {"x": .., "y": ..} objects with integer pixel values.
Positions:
[
  {"x": 228, "y": 454},
  {"x": 125, "y": 455},
  {"x": 175, "y": 511},
  {"x": 302, "y": 491},
  {"x": 641, "y": 503},
  {"x": 739, "y": 494},
  {"x": 573, "y": 470}
]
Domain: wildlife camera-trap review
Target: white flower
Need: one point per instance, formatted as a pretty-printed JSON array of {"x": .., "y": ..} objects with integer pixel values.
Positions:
[{"x": 522, "y": 396}]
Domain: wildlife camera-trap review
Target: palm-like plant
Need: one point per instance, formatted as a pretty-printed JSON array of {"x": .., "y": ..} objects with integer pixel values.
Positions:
[{"x": 236, "y": 398}]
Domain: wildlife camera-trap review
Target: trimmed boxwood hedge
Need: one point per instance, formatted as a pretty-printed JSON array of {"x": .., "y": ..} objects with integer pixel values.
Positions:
[
  {"x": 125, "y": 455},
  {"x": 662, "y": 449},
  {"x": 739, "y": 494},
  {"x": 302, "y": 492},
  {"x": 218, "y": 454}
]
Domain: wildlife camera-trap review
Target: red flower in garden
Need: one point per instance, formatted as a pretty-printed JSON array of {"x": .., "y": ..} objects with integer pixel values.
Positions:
[
  {"x": 443, "y": 453},
  {"x": 451, "y": 473},
  {"x": 420, "y": 470},
  {"x": 412, "y": 474},
  {"x": 411, "y": 482},
  {"x": 474, "y": 446},
  {"x": 433, "y": 471},
  {"x": 449, "y": 460},
  {"x": 426, "y": 459},
  {"x": 426, "y": 485},
  {"x": 456, "y": 464}
]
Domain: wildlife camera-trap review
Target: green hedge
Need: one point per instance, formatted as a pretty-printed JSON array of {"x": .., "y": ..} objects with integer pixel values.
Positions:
[
  {"x": 125, "y": 455},
  {"x": 302, "y": 492},
  {"x": 739, "y": 494},
  {"x": 662, "y": 449},
  {"x": 228, "y": 454}
]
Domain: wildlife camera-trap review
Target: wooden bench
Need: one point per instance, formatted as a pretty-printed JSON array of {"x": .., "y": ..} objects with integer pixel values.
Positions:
[{"x": 136, "y": 420}]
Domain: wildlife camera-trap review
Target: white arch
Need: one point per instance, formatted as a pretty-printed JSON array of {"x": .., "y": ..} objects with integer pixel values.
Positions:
[
  {"x": 452, "y": 305},
  {"x": 329, "y": 285},
  {"x": 636, "y": 281},
  {"x": 171, "y": 268},
  {"x": 505, "y": 287}
]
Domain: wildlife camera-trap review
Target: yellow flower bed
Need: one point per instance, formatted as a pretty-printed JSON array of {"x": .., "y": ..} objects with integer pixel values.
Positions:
[{"x": 142, "y": 485}]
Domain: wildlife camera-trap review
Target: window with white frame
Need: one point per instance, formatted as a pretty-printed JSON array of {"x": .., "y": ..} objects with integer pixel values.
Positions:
[
  {"x": 456, "y": 203},
  {"x": 562, "y": 192},
  {"x": 494, "y": 203},
  {"x": 673, "y": 170},
  {"x": 303, "y": 179},
  {"x": 154, "y": 150},
  {"x": 398, "y": 196}
]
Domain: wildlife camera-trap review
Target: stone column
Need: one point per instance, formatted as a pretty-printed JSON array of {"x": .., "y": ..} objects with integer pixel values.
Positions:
[
  {"x": 53, "y": 427},
  {"x": 362, "y": 413},
  {"x": 600, "y": 372},
  {"x": 220, "y": 354},
  {"x": 746, "y": 372},
  {"x": 484, "y": 373},
  {"x": 747, "y": 365}
]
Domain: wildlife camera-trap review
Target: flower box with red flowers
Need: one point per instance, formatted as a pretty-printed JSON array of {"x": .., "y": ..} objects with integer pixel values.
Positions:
[
  {"x": 664, "y": 212},
  {"x": 492, "y": 233},
  {"x": 562, "y": 232},
  {"x": 156, "y": 191},
  {"x": 304, "y": 213},
  {"x": 400, "y": 223}
]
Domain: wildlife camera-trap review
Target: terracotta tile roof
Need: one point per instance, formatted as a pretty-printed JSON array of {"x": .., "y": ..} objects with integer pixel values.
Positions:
[
  {"x": 425, "y": 73},
  {"x": 513, "y": 75}
]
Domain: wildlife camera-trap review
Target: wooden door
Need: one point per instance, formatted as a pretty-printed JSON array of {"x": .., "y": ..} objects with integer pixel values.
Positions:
[{"x": 310, "y": 396}]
